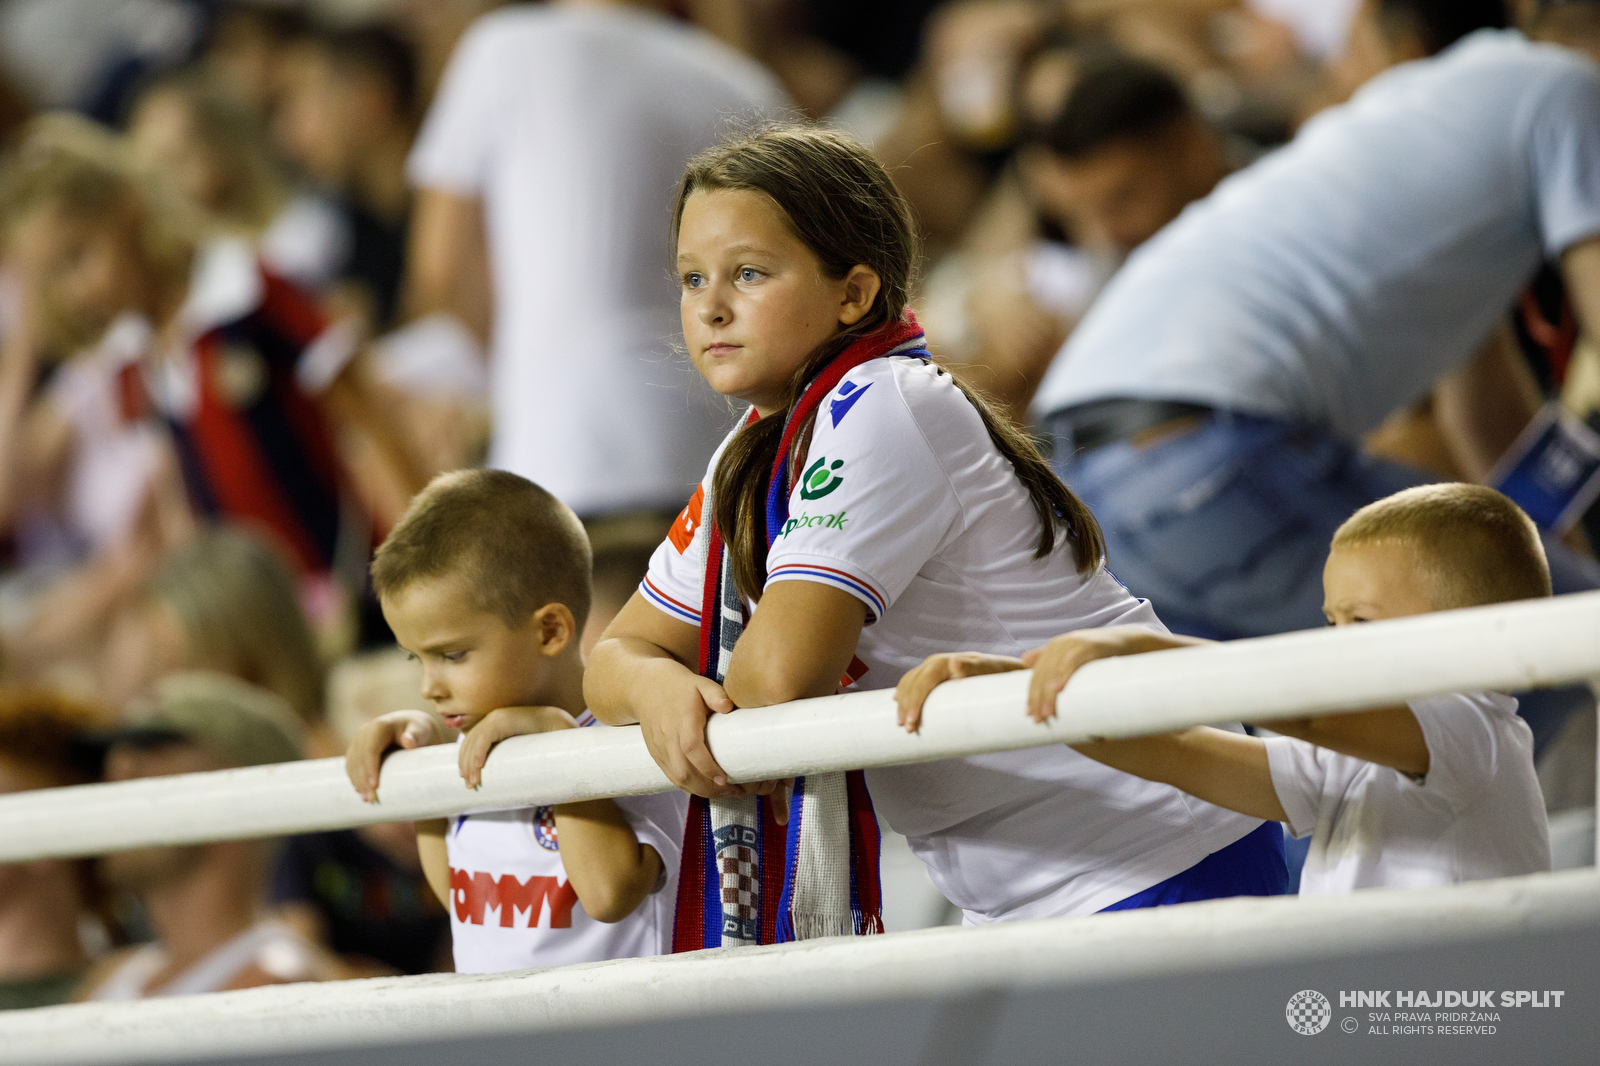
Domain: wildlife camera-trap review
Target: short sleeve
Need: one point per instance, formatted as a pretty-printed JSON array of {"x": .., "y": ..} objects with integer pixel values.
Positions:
[
  {"x": 1299, "y": 778},
  {"x": 658, "y": 821},
  {"x": 454, "y": 147},
  {"x": 674, "y": 583},
  {"x": 1566, "y": 159},
  {"x": 1463, "y": 745},
  {"x": 873, "y": 502}
]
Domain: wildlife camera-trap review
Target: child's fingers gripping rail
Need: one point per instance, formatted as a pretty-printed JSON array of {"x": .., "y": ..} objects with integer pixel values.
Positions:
[
  {"x": 500, "y": 724},
  {"x": 1054, "y": 664},
  {"x": 916, "y": 685},
  {"x": 397, "y": 729}
]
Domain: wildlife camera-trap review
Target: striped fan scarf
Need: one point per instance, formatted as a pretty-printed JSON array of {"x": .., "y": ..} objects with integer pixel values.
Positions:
[{"x": 745, "y": 880}]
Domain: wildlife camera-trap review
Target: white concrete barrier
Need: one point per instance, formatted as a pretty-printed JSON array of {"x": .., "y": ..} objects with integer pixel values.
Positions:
[
  {"x": 1207, "y": 939},
  {"x": 1511, "y": 646}
]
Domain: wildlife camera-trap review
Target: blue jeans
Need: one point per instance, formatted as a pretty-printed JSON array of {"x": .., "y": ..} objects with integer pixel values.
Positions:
[{"x": 1225, "y": 529}]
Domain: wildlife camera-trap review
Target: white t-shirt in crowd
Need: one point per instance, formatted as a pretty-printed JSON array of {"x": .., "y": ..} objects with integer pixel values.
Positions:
[
  {"x": 1477, "y": 814},
  {"x": 511, "y": 907},
  {"x": 1338, "y": 278},
  {"x": 905, "y": 503},
  {"x": 573, "y": 124},
  {"x": 116, "y": 451},
  {"x": 308, "y": 242}
]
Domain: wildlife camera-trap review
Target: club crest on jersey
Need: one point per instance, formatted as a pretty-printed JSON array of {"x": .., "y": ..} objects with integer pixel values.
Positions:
[
  {"x": 821, "y": 478},
  {"x": 544, "y": 828},
  {"x": 849, "y": 393}
]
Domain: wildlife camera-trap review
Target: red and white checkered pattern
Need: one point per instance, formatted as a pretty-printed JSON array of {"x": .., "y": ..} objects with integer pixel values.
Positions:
[{"x": 741, "y": 891}]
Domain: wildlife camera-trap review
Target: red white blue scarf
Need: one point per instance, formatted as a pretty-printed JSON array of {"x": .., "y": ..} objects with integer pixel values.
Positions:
[{"x": 745, "y": 880}]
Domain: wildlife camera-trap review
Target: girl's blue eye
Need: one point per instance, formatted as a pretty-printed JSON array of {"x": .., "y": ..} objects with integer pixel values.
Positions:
[
  {"x": 692, "y": 281},
  {"x": 749, "y": 274}
]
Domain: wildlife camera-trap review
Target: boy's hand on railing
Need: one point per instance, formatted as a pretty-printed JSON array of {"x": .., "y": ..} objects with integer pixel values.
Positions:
[
  {"x": 915, "y": 685},
  {"x": 397, "y": 729},
  {"x": 497, "y": 726},
  {"x": 1054, "y": 664}
]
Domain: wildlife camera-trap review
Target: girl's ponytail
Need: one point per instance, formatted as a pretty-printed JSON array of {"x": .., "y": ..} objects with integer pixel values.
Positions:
[
  {"x": 840, "y": 202},
  {"x": 1051, "y": 497}
]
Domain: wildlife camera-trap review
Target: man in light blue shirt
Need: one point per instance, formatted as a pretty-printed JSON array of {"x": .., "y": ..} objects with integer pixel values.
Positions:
[{"x": 1208, "y": 408}]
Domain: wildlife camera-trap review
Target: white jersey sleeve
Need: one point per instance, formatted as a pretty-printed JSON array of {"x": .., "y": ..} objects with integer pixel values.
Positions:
[
  {"x": 874, "y": 500},
  {"x": 1463, "y": 743},
  {"x": 658, "y": 821},
  {"x": 455, "y": 145},
  {"x": 1463, "y": 752},
  {"x": 1565, "y": 158},
  {"x": 1300, "y": 776},
  {"x": 674, "y": 583}
]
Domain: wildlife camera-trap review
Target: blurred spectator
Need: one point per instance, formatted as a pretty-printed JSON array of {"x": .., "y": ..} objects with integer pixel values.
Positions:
[
  {"x": 1123, "y": 154},
  {"x": 45, "y": 908},
  {"x": 942, "y": 139},
  {"x": 245, "y": 45},
  {"x": 218, "y": 156},
  {"x": 88, "y": 54},
  {"x": 92, "y": 497},
  {"x": 251, "y": 382},
  {"x": 550, "y": 154},
  {"x": 1114, "y": 152},
  {"x": 204, "y": 902},
  {"x": 1208, "y": 406},
  {"x": 347, "y": 116},
  {"x": 362, "y": 893},
  {"x": 225, "y": 602}
]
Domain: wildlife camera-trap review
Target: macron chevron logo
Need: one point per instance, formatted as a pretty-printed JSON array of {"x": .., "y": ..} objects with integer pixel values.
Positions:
[{"x": 849, "y": 393}]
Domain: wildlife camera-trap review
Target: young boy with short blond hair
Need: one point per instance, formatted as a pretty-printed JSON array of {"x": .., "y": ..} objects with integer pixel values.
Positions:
[
  {"x": 1438, "y": 791},
  {"x": 485, "y": 580}
]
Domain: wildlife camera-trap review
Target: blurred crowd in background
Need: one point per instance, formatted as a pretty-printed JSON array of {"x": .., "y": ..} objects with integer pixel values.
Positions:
[{"x": 272, "y": 265}]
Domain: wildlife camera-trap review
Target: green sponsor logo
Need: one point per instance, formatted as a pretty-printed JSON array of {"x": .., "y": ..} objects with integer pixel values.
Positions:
[
  {"x": 821, "y": 478},
  {"x": 806, "y": 521}
]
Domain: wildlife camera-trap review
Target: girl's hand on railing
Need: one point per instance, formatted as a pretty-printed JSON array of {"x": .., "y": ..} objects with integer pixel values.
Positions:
[
  {"x": 397, "y": 729},
  {"x": 497, "y": 726},
  {"x": 673, "y": 720},
  {"x": 916, "y": 684}
]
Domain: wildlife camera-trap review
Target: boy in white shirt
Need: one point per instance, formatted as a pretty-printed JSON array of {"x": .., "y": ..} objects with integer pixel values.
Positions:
[
  {"x": 1439, "y": 791},
  {"x": 486, "y": 580}
]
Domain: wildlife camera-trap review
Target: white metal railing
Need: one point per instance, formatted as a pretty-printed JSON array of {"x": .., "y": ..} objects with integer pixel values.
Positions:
[
  {"x": 1513, "y": 646},
  {"x": 1063, "y": 953}
]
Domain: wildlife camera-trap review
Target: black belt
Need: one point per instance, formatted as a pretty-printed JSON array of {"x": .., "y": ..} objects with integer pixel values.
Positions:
[{"x": 1090, "y": 425}]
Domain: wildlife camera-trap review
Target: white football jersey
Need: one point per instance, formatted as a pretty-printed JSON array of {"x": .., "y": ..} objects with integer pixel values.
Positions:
[
  {"x": 905, "y": 503},
  {"x": 511, "y": 907}
]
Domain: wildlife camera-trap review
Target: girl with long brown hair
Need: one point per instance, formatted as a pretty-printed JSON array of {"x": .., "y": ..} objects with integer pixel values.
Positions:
[{"x": 869, "y": 511}]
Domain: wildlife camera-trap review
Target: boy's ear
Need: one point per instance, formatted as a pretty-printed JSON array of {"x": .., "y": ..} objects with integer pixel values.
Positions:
[
  {"x": 557, "y": 628},
  {"x": 861, "y": 287}
]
